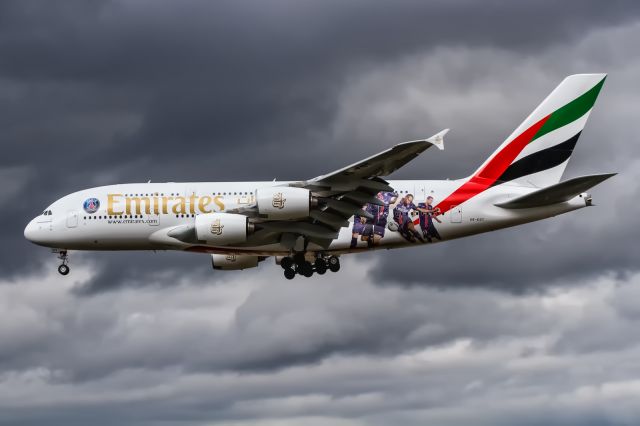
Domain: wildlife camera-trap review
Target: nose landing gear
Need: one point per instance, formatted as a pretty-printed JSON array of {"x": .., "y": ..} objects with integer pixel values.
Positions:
[
  {"x": 63, "y": 269},
  {"x": 298, "y": 265}
]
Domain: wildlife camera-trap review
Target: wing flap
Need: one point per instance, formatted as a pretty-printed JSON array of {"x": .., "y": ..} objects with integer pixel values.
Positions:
[
  {"x": 345, "y": 208},
  {"x": 333, "y": 220},
  {"x": 362, "y": 198}
]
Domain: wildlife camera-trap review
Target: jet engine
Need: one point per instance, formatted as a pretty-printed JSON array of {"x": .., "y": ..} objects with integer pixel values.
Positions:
[
  {"x": 222, "y": 229},
  {"x": 229, "y": 262},
  {"x": 284, "y": 203}
]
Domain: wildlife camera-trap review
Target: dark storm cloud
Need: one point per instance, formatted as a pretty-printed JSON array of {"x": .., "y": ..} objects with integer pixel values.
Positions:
[
  {"x": 102, "y": 92},
  {"x": 95, "y": 93}
]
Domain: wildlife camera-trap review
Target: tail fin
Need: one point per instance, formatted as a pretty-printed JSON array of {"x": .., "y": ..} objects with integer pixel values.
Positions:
[{"x": 538, "y": 151}]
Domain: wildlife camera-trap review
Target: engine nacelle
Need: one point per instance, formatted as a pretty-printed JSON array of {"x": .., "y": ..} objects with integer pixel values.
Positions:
[
  {"x": 222, "y": 229},
  {"x": 230, "y": 262},
  {"x": 283, "y": 202}
]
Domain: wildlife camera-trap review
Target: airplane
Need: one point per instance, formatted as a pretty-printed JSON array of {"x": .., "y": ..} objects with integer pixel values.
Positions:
[{"x": 307, "y": 225}]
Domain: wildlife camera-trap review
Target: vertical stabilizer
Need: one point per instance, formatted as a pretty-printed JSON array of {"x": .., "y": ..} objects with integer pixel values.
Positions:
[{"x": 537, "y": 152}]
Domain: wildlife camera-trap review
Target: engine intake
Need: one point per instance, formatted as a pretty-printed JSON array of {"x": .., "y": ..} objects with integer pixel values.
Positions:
[
  {"x": 284, "y": 203},
  {"x": 222, "y": 229},
  {"x": 233, "y": 262}
]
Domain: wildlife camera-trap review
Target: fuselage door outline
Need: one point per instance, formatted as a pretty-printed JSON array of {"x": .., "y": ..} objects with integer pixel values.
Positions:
[
  {"x": 72, "y": 219},
  {"x": 455, "y": 214}
]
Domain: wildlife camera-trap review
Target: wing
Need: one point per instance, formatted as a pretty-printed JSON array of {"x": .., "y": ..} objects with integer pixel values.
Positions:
[{"x": 343, "y": 193}]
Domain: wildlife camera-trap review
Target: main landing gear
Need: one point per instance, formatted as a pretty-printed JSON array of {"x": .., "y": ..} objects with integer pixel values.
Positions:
[
  {"x": 298, "y": 265},
  {"x": 63, "y": 269}
]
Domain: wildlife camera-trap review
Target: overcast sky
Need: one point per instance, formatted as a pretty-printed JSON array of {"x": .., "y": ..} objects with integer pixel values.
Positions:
[{"x": 532, "y": 325}]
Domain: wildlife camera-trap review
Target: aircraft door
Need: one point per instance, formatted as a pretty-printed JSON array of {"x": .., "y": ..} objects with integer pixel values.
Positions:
[
  {"x": 455, "y": 214},
  {"x": 420, "y": 195},
  {"x": 72, "y": 219}
]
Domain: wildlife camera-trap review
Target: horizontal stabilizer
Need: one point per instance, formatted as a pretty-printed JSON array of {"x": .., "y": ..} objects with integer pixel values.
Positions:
[{"x": 558, "y": 193}]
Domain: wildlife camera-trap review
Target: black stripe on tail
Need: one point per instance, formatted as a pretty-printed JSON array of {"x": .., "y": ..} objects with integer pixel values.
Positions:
[{"x": 539, "y": 161}]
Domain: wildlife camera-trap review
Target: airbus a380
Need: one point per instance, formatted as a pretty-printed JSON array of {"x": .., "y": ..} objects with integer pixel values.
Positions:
[{"x": 306, "y": 225}]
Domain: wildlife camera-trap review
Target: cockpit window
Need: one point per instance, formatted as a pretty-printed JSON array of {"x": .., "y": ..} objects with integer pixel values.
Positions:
[{"x": 47, "y": 213}]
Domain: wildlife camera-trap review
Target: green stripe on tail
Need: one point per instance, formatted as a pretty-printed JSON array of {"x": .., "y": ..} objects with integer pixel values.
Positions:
[{"x": 571, "y": 111}]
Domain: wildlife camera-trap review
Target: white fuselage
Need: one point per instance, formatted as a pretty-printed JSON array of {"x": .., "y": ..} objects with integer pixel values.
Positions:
[{"x": 138, "y": 216}]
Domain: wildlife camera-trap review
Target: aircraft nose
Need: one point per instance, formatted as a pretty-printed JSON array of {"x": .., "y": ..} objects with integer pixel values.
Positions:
[
  {"x": 31, "y": 231},
  {"x": 39, "y": 232},
  {"x": 36, "y": 233}
]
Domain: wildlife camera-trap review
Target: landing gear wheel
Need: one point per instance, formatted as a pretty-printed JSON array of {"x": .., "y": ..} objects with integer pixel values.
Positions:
[
  {"x": 64, "y": 257},
  {"x": 320, "y": 266},
  {"x": 286, "y": 263},
  {"x": 334, "y": 264},
  {"x": 289, "y": 273},
  {"x": 306, "y": 269},
  {"x": 63, "y": 269}
]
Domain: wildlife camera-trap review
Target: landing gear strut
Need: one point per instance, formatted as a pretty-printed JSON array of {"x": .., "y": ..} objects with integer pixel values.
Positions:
[
  {"x": 63, "y": 269},
  {"x": 298, "y": 265}
]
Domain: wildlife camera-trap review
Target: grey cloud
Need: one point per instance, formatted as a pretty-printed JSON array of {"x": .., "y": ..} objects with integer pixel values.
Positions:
[
  {"x": 117, "y": 353},
  {"x": 279, "y": 325},
  {"x": 144, "y": 269},
  {"x": 104, "y": 92}
]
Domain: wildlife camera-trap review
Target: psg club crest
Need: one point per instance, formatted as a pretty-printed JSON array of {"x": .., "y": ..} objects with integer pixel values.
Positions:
[{"x": 91, "y": 205}]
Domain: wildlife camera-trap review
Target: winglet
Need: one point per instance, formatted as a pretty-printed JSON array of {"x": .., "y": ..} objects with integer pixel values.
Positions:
[{"x": 438, "y": 139}]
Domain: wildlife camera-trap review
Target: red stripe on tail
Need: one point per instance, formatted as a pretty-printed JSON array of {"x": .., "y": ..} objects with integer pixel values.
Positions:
[{"x": 486, "y": 176}]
